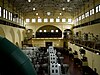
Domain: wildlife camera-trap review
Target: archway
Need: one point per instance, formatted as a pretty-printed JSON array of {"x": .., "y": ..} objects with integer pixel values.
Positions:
[
  {"x": 48, "y": 31},
  {"x": 2, "y": 32},
  {"x": 19, "y": 36},
  {"x": 12, "y": 35}
]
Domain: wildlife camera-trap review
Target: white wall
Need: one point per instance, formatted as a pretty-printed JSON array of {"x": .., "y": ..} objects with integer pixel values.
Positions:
[{"x": 93, "y": 59}]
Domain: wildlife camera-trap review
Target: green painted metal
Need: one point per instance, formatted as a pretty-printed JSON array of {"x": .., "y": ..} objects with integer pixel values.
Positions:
[{"x": 15, "y": 56}]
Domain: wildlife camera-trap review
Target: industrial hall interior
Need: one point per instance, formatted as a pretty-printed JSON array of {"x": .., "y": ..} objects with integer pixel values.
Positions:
[{"x": 49, "y": 37}]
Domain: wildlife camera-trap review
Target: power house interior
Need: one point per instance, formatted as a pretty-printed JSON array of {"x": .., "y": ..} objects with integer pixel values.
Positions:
[{"x": 49, "y": 37}]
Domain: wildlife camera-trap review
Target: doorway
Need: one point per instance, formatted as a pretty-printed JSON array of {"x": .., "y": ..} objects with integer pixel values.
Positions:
[{"x": 48, "y": 44}]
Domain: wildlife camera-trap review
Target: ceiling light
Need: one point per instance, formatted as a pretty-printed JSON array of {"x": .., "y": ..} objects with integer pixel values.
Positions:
[
  {"x": 29, "y": 0},
  {"x": 38, "y": 17},
  {"x": 97, "y": 53},
  {"x": 34, "y": 9},
  {"x": 36, "y": 13},
  {"x": 48, "y": 13},
  {"x": 63, "y": 8},
  {"x": 60, "y": 13},
  {"x": 68, "y": 0}
]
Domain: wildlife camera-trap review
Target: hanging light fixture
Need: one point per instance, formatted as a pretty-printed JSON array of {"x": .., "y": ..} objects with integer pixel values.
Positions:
[
  {"x": 68, "y": 0},
  {"x": 29, "y": 0},
  {"x": 48, "y": 13},
  {"x": 60, "y": 13},
  {"x": 63, "y": 8},
  {"x": 36, "y": 13},
  {"x": 34, "y": 8}
]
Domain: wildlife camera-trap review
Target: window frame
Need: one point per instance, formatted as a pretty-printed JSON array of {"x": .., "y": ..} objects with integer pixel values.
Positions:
[
  {"x": 97, "y": 9},
  {"x": 69, "y": 20},
  {"x": 57, "y": 20},
  {"x": 27, "y": 20},
  {"x": 0, "y": 11},
  {"x": 51, "y": 20},
  {"x": 39, "y": 20},
  {"x": 63, "y": 19},
  {"x": 4, "y": 13},
  {"x": 45, "y": 20},
  {"x": 33, "y": 20}
]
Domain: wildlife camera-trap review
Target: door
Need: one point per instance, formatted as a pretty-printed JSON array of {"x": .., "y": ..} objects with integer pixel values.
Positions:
[{"x": 48, "y": 44}]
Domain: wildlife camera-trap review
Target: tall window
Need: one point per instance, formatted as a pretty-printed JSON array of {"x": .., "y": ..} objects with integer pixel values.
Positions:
[
  {"x": 33, "y": 20},
  {"x": 76, "y": 19},
  {"x": 87, "y": 14},
  {"x": 83, "y": 16},
  {"x": 4, "y": 13},
  {"x": 51, "y": 20},
  {"x": 20, "y": 20},
  {"x": 0, "y": 12},
  {"x": 97, "y": 9},
  {"x": 79, "y": 18},
  {"x": 69, "y": 20},
  {"x": 91, "y": 11},
  {"x": 28, "y": 20},
  {"x": 17, "y": 20},
  {"x": 63, "y": 20},
  {"x": 9, "y": 16}
]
